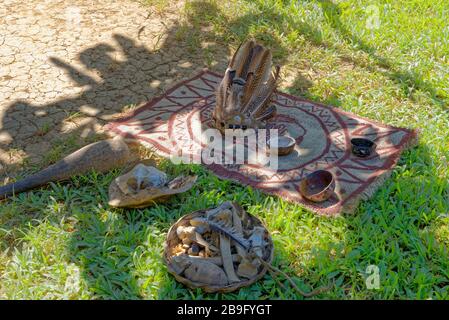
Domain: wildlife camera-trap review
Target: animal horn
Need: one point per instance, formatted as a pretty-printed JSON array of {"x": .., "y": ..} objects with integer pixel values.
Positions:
[{"x": 100, "y": 156}]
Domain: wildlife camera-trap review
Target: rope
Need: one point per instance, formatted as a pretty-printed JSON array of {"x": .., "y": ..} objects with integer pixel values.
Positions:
[{"x": 276, "y": 272}]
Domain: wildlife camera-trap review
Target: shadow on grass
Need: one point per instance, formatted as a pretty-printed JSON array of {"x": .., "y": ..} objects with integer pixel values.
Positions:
[
  {"x": 392, "y": 232},
  {"x": 408, "y": 81},
  {"x": 119, "y": 251}
]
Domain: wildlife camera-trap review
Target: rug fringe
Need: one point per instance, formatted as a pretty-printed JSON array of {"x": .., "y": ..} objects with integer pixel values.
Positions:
[{"x": 351, "y": 206}]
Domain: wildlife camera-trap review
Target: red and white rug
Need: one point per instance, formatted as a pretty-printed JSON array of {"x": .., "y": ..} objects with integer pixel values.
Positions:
[{"x": 175, "y": 121}]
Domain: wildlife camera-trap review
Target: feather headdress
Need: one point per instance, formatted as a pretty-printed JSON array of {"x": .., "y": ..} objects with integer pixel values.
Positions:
[{"x": 243, "y": 98}]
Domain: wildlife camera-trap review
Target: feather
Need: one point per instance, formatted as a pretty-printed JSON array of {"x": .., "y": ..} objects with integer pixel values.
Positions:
[
  {"x": 221, "y": 91},
  {"x": 234, "y": 57},
  {"x": 247, "y": 63},
  {"x": 256, "y": 88},
  {"x": 269, "y": 112},
  {"x": 256, "y": 57},
  {"x": 261, "y": 101},
  {"x": 251, "y": 81},
  {"x": 242, "y": 57},
  {"x": 247, "y": 89},
  {"x": 263, "y": 71}
]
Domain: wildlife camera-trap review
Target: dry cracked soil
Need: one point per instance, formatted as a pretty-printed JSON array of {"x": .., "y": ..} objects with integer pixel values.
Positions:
[{"x": 67, "y": 67}]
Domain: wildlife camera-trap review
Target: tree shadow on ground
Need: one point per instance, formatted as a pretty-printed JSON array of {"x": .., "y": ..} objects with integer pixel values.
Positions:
[{"x": 186, "y": 48}]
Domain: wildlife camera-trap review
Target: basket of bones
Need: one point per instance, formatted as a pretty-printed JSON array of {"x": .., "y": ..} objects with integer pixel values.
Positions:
[{"x": 218, "y": 250}]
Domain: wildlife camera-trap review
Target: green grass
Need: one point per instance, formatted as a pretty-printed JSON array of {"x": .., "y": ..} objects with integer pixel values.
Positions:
[{"x": 65, "y": 242}]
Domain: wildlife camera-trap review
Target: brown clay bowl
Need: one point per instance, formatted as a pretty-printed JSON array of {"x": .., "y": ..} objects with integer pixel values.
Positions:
[
  {"x": 285, "y": 145},
  {"x": 317, "y": 186}
]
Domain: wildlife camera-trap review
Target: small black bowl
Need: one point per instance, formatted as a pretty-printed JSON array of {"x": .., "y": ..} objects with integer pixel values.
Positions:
[{"x": 362, "y": 147}]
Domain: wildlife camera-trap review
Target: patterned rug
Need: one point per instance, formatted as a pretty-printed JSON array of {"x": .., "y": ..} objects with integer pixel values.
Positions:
[{"x": 176, "y": 121}]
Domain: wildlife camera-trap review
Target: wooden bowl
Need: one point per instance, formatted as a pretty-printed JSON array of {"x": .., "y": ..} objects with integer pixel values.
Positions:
[
  {"x": 285, "y": 145},
  {"x": 317, "y": 186},
  {"x": 362, "y": 147},
  {"x": 172, "y": 241}
]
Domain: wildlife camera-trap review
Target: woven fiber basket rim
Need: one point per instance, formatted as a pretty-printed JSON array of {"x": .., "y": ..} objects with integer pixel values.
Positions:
[{"x": 207, "y": 287}]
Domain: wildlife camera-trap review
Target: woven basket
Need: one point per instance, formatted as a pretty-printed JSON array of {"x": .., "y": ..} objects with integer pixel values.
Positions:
[{"x": 172, "y": 241}]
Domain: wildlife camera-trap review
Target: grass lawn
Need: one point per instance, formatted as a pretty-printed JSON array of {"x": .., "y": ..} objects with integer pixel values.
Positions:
[{"x": 65, "y": 242}]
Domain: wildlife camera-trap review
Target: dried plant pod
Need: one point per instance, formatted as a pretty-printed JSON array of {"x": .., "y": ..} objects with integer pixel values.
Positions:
[
  {"x": 206, "y": 272},
  {"x": 243, "y": 98},
  {"x": 172, "y": 242},
  {"x": 144, "y": 185}
]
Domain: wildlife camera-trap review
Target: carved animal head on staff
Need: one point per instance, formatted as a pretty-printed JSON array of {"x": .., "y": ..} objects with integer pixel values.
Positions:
[{"x": 243, "y": 98}]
